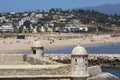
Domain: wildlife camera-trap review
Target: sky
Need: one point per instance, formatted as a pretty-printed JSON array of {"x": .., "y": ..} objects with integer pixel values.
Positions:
[{"x": 26, "y": 5}]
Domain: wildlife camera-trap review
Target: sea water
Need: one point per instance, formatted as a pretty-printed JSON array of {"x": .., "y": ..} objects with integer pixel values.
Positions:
[
  {"x": 93, "y": 49},
  {"x": 112, "y": 71}
]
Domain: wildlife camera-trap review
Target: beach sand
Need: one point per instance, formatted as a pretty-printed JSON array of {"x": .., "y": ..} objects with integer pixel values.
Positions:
[{"x": 13, "y": 45}]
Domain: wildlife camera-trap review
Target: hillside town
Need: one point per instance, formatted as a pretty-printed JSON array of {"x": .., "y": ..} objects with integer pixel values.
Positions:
[{"x": 57, "y": 20}]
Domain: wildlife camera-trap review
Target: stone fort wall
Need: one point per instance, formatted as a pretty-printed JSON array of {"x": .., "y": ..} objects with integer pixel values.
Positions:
[
  {"x": 105, "y": 60},
  {"x": 11, "y": 58}
]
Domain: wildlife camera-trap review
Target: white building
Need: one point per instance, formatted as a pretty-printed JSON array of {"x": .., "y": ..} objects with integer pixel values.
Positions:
[
  {"x": 42, "y": 29},
  {"x": 3, "y": 18},
  {"x": 83, "y": 28},
  {"x": 39, "y": 15},
  {"x": 7, "y": 28},
  {"x": 21, "y": 22},
  {"x": 12, "y": 13},
  {"x": 75, "y": 28}
]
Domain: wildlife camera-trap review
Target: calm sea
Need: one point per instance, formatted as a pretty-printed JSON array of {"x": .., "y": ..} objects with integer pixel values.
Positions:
[{"x": 93, "y": 49}]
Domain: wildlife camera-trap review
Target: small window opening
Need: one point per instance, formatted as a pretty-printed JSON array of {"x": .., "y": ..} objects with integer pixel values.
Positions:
[
  {"x": 34, "y": 51},
  {"x": 75, "y": 60}
]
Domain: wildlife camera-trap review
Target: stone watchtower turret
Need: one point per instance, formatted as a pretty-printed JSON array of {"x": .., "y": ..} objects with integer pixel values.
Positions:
[
  {"x": 79, "y": 63},
  {"x": 38, "y": 49}
]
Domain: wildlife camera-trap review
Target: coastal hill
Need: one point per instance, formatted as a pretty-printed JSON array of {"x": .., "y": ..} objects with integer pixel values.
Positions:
[
  {"x": 106, "y": 8},
  {"x": 57, "y": 19}
]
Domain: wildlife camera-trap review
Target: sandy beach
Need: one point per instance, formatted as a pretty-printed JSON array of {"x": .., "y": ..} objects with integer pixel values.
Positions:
[{"x": 13, "y": 45}]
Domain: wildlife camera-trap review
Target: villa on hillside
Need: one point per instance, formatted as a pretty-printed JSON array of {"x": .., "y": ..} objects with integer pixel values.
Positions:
[
  {"x": 75, "y": 28},
  {"x": 6, "y": 28}
]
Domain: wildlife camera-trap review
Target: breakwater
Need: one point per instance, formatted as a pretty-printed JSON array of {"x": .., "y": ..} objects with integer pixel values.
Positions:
[{"x": 104, "y": 60}]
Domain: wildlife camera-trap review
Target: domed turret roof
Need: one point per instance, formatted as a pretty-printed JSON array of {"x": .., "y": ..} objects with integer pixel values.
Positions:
[
  {"x": 37, "y": 44},
  {"x": 79, "y": 51}
]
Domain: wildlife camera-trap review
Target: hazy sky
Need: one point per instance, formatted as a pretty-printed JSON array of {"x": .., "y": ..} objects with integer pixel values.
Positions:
[{"x": 26, "y": 5}]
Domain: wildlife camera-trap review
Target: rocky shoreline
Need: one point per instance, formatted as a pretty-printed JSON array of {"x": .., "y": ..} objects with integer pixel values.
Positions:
[{"x": 104, "y": 60}]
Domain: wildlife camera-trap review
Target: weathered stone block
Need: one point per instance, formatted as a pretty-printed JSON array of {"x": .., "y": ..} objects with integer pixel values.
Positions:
[
  {"x": 94, "y": 70},
  {"x": 103, "y": 76}
]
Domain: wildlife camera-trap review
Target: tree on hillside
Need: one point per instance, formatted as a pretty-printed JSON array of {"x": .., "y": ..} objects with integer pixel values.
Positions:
[{"x": 27, "y": 24}]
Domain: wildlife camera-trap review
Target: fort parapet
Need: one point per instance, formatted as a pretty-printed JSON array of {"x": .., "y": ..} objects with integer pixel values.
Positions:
[{"x": 105, "y": 60}]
